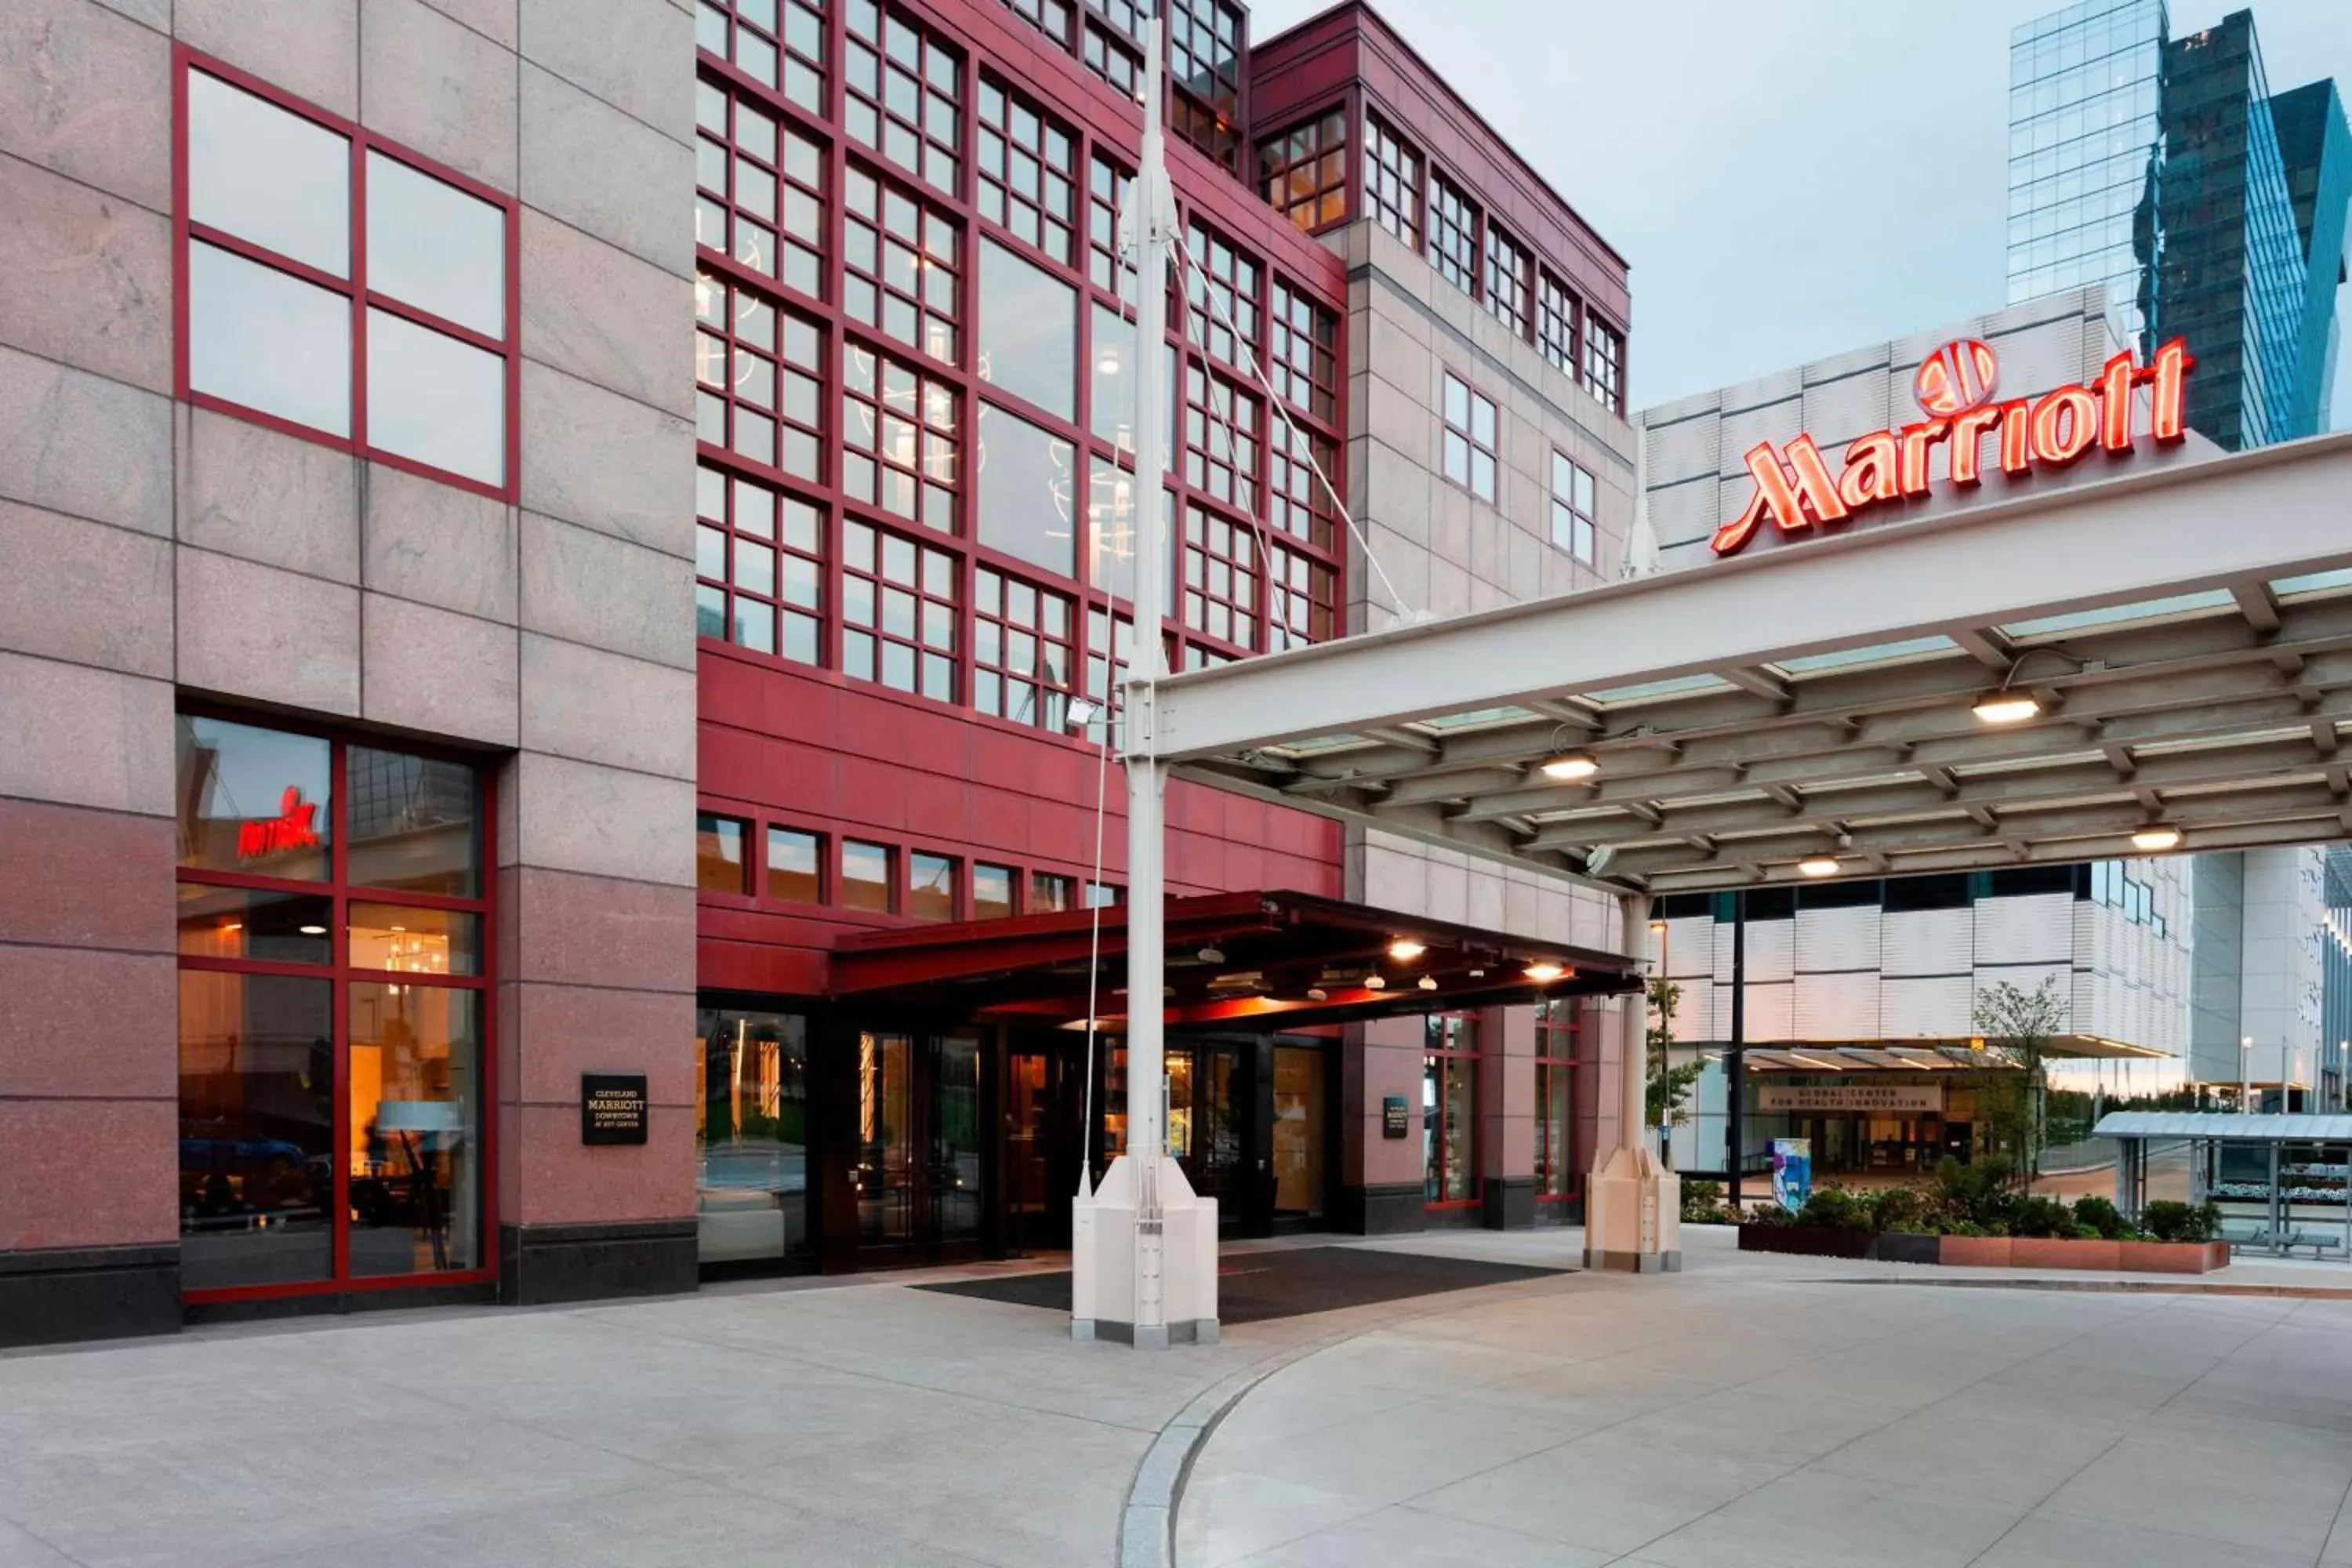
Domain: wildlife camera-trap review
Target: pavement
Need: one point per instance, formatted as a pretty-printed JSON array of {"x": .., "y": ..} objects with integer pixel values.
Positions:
[{"x": 1762, "y": 1409}]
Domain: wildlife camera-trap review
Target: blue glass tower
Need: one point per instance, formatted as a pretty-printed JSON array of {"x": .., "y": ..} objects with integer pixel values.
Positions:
[
  {"x": 2164, "y": 170},
  {"x": 2087, "y": 154}
]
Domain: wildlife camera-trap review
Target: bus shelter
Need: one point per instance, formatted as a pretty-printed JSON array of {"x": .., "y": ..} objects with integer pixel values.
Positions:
[{"x": 2278, "y": 1181}]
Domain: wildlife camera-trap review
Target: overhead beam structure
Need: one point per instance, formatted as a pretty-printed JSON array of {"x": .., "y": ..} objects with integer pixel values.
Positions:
[{"x": 2185, "y": 632}]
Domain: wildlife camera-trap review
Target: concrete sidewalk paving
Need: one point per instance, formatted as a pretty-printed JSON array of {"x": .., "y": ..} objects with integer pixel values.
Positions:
[{"x": 1772, "y": 1412}]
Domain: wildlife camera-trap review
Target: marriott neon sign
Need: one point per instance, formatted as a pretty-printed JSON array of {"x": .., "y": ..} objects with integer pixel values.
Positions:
[{"x": 1798, "y": 493}]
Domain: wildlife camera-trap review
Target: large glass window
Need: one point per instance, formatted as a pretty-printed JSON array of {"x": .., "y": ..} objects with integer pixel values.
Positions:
[
  {"x": 1392, "y": 181},
  {"x": 756, "y": 369},
  {"x": 761, "y": 554},
  {"x": 285, "y": 304},
  {"x": 718, "y": 854},
  {"x": 762, "y": 198},
  {"x": 1222, "y": 285},
  {"x": 1028, "y": 331},
  {"x": 1303, "y": 173},
  {"x": 1449, "y": 1110},
  {"x": 1558, "y": 1042},
  {"x": 334, "y": 1050},
  {"x": 865, "y": 881},
  {"x": 897, "y": 612},
  {"x": 1556, "y": 311},
  {"x": 930, "y": 887},
  {"x": 1572, "y": 502},
  {"x": 777, "y": 43},
  {"x": 1021, "y": 661},
  {"x": 906, "y": 93},
  {"x": 899, "y": 449},
  {"x": 1452, "y": 234},
  {"x": 991, "y": 892},
  {"x": 901, "y": 260},
  {"x": 795, "y": 862},
  {"x": 1028, "y": 478},
  {"x": 1028, "y": 172},
  {"x": 1510, "y": 281},
  {"x": 1469, "y": 455},
  {"x": 1604, "y": 364},
  {"x": 750, "y": 1136}
]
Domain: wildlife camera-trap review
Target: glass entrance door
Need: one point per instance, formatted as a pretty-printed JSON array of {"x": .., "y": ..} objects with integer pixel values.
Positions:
[
  {"x": 1297, "y": 1135},
  {"x": 1041, "y": 1148},
  {"x": 917, "y": 1172}
]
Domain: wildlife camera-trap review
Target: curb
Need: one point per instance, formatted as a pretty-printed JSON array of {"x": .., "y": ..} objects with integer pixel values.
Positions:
[{"x": 1147, "y": 1527}]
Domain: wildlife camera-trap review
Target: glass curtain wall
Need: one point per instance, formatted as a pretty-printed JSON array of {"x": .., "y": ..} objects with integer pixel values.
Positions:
[
  {"x": 750, "y": 1136},
  {"x": 1449, "y": 1110},
  {"x": 2086, "y": 156},
  {"x": 333, "y": 1042}
]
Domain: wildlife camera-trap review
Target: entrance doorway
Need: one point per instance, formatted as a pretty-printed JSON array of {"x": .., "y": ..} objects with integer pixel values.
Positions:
[
  {"x": 916, "y": 1174},
  {"x": 1043, "y": 1113}
]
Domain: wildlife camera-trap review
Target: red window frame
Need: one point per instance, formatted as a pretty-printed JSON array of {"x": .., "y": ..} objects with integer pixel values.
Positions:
[
  {"x": 1560, "y": 1049},
  {"x": 185, "y": 231},
  {"x": 1391, "y": 184},
  {"x": 1263, "y": 271},
  {"x": 1510, "y": 281},
  {"x": 1300, "y": 170},
  {"x": 1434, "y": 1027},
  {"x": 342, "y": 974},
  {"x": 1556, "y": 308},
  {"x": 1453, "y": 220},
  {"x": 1466, "y": 435},
  {"x": 1604, "y": 363}
]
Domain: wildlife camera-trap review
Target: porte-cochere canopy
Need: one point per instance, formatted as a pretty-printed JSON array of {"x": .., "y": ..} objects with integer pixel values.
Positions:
[{"x": 2159, "y": 659}]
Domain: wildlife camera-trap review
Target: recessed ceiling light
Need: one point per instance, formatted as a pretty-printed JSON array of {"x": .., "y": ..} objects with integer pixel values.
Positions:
[
  {"x": 2157, "y": 835},
  {"x": 1429, "y": 982},
  {"x": 314, "y": 930},
  {"x": 1404, "y": 950},
  {"x": 1571, "y": 767},
  {"x": 1317, "y": 993},
  {"x": 1819, "y": 865},
  {"x": 1543, "y": 974},
  {"x": 1375, "y": 983}
]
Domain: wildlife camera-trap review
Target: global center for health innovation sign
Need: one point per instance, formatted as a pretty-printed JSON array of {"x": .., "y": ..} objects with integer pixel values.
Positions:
[
  {"x": 1796, "y": 493},
  {"x": 1894, "y": 1098}
]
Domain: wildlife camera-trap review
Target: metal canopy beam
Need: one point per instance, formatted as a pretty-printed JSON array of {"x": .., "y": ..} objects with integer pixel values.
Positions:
[{"x": 2181, "y": 686}]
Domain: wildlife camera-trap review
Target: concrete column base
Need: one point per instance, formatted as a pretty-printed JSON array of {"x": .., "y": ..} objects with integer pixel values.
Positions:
[
  {"x": 1632, "y": 1215},
  {"x": 1114, "y": 1275}
]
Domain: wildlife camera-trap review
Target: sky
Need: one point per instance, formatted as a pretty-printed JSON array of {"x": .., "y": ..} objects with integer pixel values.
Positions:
[{"x": 1787, "y": 178}]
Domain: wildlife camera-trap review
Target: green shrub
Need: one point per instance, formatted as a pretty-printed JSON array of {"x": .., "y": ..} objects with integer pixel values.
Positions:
[
  {"x": 1910, "y": 1211},
  {"x": 1702, "y": 1203},
  {"x": 2090, "y": 1233},
  {"x": 1977, "y": 1193},
  {"x": 2102, "y": 1220},
  {"x": 1836, "y": 1208},
  {"x": 2167, "y": 1219},
  {"x": 1767, "y": 1214},
  {"x": 2041, "y": 1216},
  {"x": 1964, "y": 1227}
]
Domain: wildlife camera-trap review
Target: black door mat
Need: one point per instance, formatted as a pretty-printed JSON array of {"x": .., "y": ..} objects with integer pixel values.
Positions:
[{"x": 1252, "y": 1287}]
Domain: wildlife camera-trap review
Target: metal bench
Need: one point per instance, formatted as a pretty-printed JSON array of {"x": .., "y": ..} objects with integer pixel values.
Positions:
[{"x": 2245, "y": 1233}]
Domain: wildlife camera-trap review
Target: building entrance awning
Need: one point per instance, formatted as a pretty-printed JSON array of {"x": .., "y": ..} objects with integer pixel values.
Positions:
[
  {"x": 2172, "y": 647},
  {"x": 1234, "y": 960}
]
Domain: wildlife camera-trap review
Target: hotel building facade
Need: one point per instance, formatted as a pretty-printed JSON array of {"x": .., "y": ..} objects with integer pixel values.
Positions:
[{"x": 564, "y": 603}]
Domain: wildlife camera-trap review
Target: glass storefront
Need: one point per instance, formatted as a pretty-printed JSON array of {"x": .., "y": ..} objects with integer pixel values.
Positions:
[
  {"x": 1559, "y": 1048},
  {"x": 750, "y": 1135},
  {"x": 333, "y": 1047},
  {"x": 1449, "y": 1110},
  {"x": 1299, "y": 1122}
]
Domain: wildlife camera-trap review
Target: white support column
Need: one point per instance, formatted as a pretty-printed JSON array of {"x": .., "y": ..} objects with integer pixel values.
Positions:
[
  {"x": 1144, "y": 1258},
  {"x": 1632, "y": 1206}
]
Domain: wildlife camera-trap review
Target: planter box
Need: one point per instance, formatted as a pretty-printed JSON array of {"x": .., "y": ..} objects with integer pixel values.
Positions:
[
  {"x": 2173, "y": 1256},
  {"x": 2049, "y": 1252},
  {"x": 1895, "y": 1247},
  {"x": 1805, "y": 1241},
  {"x": 1974, "y": 1251}
]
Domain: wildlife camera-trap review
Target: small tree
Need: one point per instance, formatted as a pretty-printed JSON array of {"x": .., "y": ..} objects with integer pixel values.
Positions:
[
  {"x": 2023, "y": 1023},
  {"x": 1670, "y": 1085}
]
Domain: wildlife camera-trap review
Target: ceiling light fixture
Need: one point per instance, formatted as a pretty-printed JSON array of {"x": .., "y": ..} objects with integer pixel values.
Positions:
[
  {"x": 1571, "y": 767},
  {"x": 1375, "y": 983},
  {"x": 2157, "y": 835},
  {"x": 1404, "y": 950},
  {"x": 1819, "y": 865},
  {"x": 1317, "y": 993},
  {"x": 1543, "y": 972},
  {"x": 2007, "y": 707},
  {"x": 1211, "y": 955},
  {"x": 314, "y": 930},
  {"x": 1429, "y": 982}
]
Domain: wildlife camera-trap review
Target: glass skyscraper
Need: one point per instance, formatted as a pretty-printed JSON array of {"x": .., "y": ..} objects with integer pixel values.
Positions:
[
  {"x": 2085, "y": 154},
  {"x": 2163, "y": 170}
]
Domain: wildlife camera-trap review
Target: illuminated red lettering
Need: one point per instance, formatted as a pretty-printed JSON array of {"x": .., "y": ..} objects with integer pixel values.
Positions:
[
  {"x": 2016, "y": 449},
  {"x": 292, "y": 829},
  {"x": 1870, "y": 472},
  {"x": 1795, "y": 488},
  {"x": 2165, "y": 420},
  {"x": 2065, "y": 422},
  {"x": 1917, "y": 441},
  {"x": 2116, "y": 404}
]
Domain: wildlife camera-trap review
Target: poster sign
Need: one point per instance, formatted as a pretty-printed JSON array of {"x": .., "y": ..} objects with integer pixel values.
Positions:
[
  {"x": 612, "y": 1108},
  {"x": 1793, "y": 1171},
  {"x": 1894, "y": 1098},
  {"x": 1392, "y": 1116}
]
